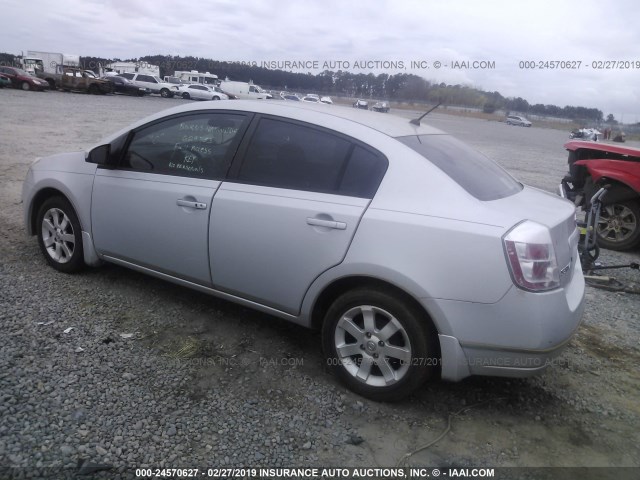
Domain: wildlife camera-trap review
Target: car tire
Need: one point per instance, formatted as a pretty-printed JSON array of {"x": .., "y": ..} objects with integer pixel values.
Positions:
[
  {"x": 25, "y": 86},
  {"x": 619, "y": 226},
  {"x": 216, "y": 98},
  {"x": 60, "y": 235},
  {"x": 93, "y": 89},
  {"x": 52, "y": 84},
  {"x": 186, "y": 96},
  {"x": 383, "y": 364},
  {"x": 164, "y": 93}
]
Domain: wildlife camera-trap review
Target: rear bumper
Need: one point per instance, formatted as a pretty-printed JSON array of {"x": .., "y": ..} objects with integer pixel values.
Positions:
[{"x": 519, "y": 336}]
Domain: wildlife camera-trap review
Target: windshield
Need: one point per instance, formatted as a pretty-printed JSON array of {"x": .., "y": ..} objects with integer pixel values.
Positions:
[{"x": 478, "y": 175}]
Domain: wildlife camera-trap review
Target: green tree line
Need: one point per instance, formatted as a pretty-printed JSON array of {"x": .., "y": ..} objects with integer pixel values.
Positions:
[{"x": 401, "y": 86}]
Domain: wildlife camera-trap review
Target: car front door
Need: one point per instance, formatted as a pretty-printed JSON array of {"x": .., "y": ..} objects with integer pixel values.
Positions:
[
  {"x": 289, "y": 211},
  {"x": 152, "y": 211}
]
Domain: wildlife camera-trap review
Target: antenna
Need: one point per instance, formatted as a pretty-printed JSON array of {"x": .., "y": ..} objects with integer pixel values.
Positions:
[{"x": 416, "y": 121}]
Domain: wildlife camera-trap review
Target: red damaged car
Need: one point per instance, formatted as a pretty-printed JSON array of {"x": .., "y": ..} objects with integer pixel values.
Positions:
[{"x": 593, "y": 165}]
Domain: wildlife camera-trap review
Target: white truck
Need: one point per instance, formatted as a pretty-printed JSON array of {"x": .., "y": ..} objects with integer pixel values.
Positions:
[
  {"x": 243, "y": 90},
  {"x": 48, "y": 65}
]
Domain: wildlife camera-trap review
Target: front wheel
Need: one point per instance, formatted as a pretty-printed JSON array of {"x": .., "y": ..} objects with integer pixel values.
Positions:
[
  {"x": 185, "y": 95},
  {"x": 164, "y": 93},
  {"x": 216, "y": 98},
  {"x": 60, "y": 235},
  {"x": 619, "y": 226},
  {"x": 377, "y": 345},
  {"x": 25, "y": 86}
]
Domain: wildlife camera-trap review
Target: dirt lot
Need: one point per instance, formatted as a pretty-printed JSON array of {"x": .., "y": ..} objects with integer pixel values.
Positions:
[{"x": 205, "y": 382}]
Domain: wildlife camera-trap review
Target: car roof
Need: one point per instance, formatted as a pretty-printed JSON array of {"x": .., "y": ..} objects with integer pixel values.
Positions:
[{"x": 391, "y": 125}]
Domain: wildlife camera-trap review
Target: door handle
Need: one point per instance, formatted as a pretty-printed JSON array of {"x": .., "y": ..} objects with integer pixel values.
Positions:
[
  {"x": 318, "y": 222},
  {"x": 189, "y": 204}
]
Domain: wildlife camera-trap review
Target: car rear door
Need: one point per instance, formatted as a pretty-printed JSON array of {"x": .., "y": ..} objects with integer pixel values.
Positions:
[
  {"x": 153, "y": 210},
  {"x": 289, "y": 211}
]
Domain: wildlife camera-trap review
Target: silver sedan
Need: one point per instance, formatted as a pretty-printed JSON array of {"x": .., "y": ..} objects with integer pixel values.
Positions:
[{"x": 414, "y": 255}]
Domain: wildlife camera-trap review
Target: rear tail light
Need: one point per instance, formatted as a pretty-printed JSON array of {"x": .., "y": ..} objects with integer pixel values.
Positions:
[{"x": 531, "y": 257}]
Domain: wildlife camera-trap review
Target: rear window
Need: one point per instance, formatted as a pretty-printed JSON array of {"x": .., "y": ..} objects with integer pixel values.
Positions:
[{"x": 478, "y": 175}]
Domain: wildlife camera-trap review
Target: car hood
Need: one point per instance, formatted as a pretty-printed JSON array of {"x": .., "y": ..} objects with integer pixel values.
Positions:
[{"x": 71, "y": 162}]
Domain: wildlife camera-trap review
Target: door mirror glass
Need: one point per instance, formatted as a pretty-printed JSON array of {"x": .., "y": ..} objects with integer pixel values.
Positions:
[{"x": 100, "y": 155}]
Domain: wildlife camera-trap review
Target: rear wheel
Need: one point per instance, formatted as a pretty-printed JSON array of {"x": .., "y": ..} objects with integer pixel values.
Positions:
[
  {"x": 377, "y": 345},
  {"x": 25, "y": 86},
  {"x": 619, "y": 225},
  {"x": 60, "y": 235},
  {"x": 186, "y": 96}
]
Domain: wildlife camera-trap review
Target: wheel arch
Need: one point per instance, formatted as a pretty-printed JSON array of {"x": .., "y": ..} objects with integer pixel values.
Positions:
[
  {"x": 90, "y": 255},
  {"x": 619, "y": 191},
  {"x": 339, "y": 286},
  {"x": 37, "y": 201}
]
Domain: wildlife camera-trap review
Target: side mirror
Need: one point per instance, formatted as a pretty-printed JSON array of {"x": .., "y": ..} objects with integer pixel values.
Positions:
[{"x": 100, "y": 155}]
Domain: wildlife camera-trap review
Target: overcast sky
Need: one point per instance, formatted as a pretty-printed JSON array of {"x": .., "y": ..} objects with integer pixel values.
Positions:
[{"x": 503, "y": 32}]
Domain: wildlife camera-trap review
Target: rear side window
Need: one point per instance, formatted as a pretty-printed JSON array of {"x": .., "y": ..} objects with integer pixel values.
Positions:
[
  {"x": 363, "y": 173},
  {"x": 478, "y": 175},
  {"x": 289, "y": 155}
]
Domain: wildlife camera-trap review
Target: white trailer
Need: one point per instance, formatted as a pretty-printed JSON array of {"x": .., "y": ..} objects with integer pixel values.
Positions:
[
  {"x": 133, "y": 67},
  {"x": 50, "y": 62},
  {"x": 193, "y": 76}
]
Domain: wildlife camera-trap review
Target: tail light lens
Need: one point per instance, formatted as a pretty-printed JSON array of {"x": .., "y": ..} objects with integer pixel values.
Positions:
[{"x": 531, "y": 257}]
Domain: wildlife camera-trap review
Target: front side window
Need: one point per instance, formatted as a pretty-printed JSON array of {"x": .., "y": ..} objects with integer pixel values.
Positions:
[
  {"x": 198, "y": 145},
  {"x": 288, "y": 155},
  {"x": 146, "y": 78}
]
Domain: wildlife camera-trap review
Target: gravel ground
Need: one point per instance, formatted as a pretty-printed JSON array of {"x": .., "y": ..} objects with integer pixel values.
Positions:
[{"x": 116, "y": 368}]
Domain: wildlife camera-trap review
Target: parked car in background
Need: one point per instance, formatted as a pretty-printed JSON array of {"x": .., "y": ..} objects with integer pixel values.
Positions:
[
  {"x": 311, "y": 99},
  {"x": 78, "y": 80},
  {"x": 200, "y": 92},
  {"x": 594, "y": 165},
  {"x": 517, "y": 121},
  {"x": 326, "y": 100},
  {"x": 23, "y": 80},
  {"x": 381, "y": 107},
  {"x": 363, "y": 104},
  {"x": 124, "y": 86},
  {"x": 411, "y": 253},
  {"x": 586, "y": 134},
  {"x": 291, "y": 96},
  {"x": 4, "y": 81},
  {"x": 152, "y": 83}
]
